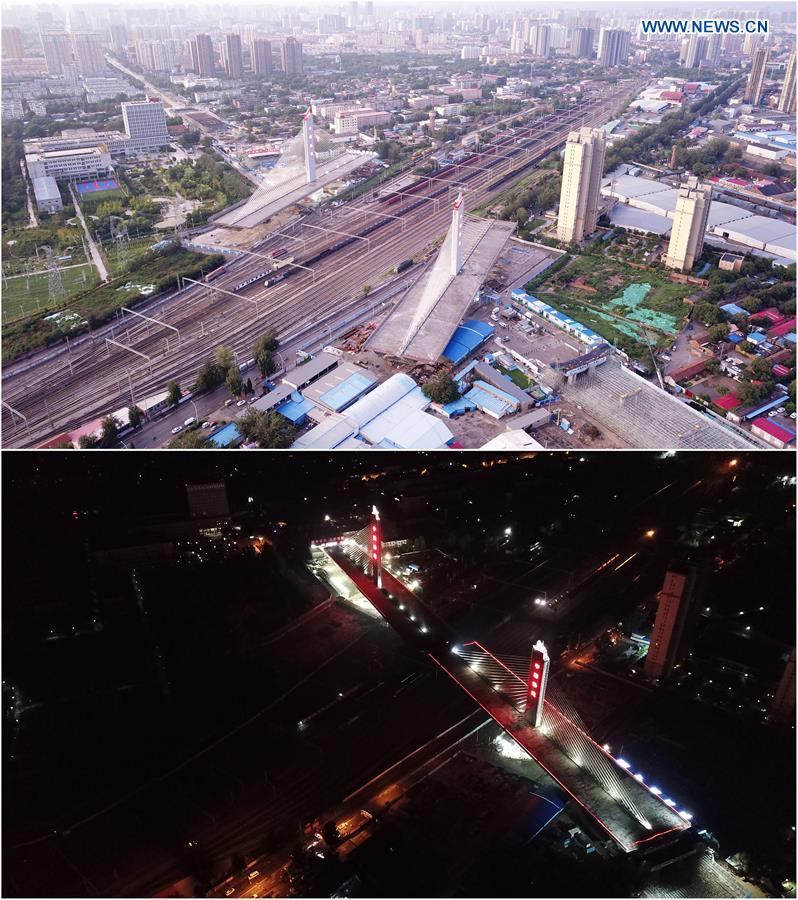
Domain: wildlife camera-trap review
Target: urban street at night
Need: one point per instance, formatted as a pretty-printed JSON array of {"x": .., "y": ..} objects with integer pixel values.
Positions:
[{"x": 414, "y": 675}]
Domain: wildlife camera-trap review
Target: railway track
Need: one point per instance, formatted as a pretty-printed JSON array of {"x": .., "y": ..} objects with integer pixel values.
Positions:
[{"x": 349, "y": 247}]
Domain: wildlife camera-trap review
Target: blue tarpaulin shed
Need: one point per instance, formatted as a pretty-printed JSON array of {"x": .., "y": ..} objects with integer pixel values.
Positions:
[{"x": 466, "y": 339}]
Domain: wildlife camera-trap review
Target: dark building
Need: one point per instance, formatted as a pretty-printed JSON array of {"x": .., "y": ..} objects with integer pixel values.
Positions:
[
  {"x": 291, "y": 56},
  {"x": 677, "y": 610}
]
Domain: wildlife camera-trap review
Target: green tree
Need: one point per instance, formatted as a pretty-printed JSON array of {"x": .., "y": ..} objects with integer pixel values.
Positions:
[
  {"x": 88, "y": 442},
  {"x": 225, "y": 359},
  {"x": 110, "y": 431},
  {"x": 233, "y": 381},
  {"x": 135, "y": 416},
  {"x": 707, "y": 313},
  {"x": 191, "y": 440},
  {"x": 209, "y": 376},
  {"x": 269, "y": 430},
  {"x": 263, "y": 352},
  {"x": 173, "y": 393},
  {"x": 773, "y": 169},
  {"x": 719, "y": 332},
  {"x": 441, "y": 388}
]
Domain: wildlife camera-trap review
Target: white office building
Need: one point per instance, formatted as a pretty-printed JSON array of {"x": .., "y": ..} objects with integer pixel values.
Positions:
[
  {"x": 70, "y": 165},
  {"x": 145, "y": 124}
]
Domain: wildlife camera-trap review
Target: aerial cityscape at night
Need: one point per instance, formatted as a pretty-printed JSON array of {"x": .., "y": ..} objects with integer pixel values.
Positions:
[
  {"x": 369, "y": 225},
  {"x": 399, "y": 675}
]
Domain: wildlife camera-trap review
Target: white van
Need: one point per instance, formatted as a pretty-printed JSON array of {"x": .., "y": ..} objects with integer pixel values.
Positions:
[{"x": 189, "y": 421}]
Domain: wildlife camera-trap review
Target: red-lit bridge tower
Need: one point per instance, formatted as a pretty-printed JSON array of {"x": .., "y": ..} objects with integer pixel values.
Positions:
[
  {"x": 375, "y": 555},
  {"x": 536, "y": 684}
]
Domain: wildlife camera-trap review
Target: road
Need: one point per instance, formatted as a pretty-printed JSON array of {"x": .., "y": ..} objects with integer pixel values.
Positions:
[
  {"x": 158, "y": 432},
  {"x": 94, "y": 250},
  {"x": 92, "y": 383}
]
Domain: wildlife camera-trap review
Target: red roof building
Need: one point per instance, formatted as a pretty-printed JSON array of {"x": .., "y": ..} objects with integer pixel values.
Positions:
[
  {"x": 771, "y": 313},
  {"x": 727, "y": 401},
  {"x": 773, "y": 433},
  {"x": 782, "y": 328}
]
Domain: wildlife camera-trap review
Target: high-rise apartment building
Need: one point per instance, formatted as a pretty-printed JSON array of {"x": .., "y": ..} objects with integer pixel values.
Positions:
[
  {"x": 783, "y": 705},
  {"x": 689, "y": 225},
  {"x": 207, "y": 500},
  {"x": 731, "y": 44},
  {"x": 677, "y": 609},
  {"x": 756, "y": 77},
  {"x": 787, "y": 96},
  {"x": 291, "y": 56},
  {"x": 559, "y": 37},
  {"x": 613, "y": 47},
  {"x": 13, "y": 48},
  {"x": 202, "y": 58},
  {"x": 695, "y": 51},
  {"x": 232, "y": 56},
  {"x": 87, "y": 49},
  {"x": 581, "y": 184},
  {"x": 57, "y": 48},
  {"x": 582, "y": 40},
  {"x": 751, "y": 43},
  {"x": 539, "y": 39},
  {"x": 145, "y": 124},
  {"x": 261, "y": 51},
  {"x": 712, "y": 56},
  {"x": 155, "y": 56},
  {"x": 119, "y": 38}
]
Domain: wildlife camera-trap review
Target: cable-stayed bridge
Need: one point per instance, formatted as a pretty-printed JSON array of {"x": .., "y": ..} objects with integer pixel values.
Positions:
[
  {"x": 308, "y": 163},
  {"x": 534, "y": 713}
]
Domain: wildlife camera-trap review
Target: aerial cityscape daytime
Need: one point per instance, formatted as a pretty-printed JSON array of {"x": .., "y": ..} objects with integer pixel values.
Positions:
[
  {"x": 500, "y": 226},
  {"x": 540, "y": 674}
]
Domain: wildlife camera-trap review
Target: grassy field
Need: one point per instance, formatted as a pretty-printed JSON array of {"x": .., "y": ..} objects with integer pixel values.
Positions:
[
  {"x": 95, "y": 306},
  {"x": 27, "y": 295},
  {"x": 516, "y": 376},
  {"x": 622, "y": 303}
]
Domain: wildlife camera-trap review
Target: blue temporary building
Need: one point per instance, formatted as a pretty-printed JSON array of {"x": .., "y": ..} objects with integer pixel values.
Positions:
[
  {"x": 732, "y": 309},
  {"x": 296, "y": 408},
  {"x": 341, "y": 396},
  {"x": 538, "y": 812},
  {"x": 466, "y": 339},
  {"x": 229, "y": 436},
  {"x": 458, "y": 407}
]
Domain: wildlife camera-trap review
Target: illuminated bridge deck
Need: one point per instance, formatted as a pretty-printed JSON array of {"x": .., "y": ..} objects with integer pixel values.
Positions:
[{"x": 648, "y": 818}]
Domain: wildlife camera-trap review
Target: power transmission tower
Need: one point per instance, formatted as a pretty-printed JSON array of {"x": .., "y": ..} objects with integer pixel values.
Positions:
[
  {"x": 121, "y": 238},
  {"x": 55, "y": 285}
]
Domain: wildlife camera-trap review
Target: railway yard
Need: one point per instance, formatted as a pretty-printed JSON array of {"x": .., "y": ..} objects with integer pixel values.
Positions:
[{"x": 334, "y": 254}]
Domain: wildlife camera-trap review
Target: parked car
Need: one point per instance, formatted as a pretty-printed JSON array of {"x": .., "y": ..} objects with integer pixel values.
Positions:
[
  {"x": 241, "y": 403},
  {"x": 189, "y": 421},
  {"x": 206, "y": 425},
  {"x": 177, "y": 429}
]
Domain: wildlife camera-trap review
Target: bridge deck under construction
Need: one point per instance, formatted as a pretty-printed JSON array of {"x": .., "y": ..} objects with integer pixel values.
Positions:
[
  {"x": 651, "y": 819},
  {"x": 483, "y": 241},
  {"x": 268, "y": 202}
]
